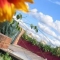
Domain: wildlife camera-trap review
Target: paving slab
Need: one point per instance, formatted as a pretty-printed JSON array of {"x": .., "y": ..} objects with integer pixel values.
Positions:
[{"x": 23, "y": 53}]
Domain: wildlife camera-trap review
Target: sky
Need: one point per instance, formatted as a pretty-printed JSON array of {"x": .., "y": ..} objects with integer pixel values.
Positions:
[{"x": 45, "y": 14}]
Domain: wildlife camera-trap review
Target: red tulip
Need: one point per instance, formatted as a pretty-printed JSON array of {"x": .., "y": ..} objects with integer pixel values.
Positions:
[{"x": 8, "y": 8}]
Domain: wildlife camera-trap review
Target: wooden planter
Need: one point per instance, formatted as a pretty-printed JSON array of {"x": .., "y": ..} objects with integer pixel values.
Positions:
[
  {"x": 18, "y": 37},
  {"x": 5, "y": 41},
  {"x": 37, "y": 50}
]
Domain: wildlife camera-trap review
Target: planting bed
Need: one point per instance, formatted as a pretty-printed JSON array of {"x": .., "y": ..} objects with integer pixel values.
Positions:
[{"x": 37, "y": 50}]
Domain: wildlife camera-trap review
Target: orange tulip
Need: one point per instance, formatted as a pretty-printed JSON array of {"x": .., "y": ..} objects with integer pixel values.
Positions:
[{"x": 8, "y": 8}]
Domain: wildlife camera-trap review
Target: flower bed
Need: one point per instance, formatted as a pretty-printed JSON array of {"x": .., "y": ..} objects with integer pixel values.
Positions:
[
  {"x": 40, "y": 50},
  {"x": 37, "y": 50}
]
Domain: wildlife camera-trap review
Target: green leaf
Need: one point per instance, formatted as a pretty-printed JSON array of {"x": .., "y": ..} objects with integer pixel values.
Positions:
[
  {"x": 1, "y": 58},
  {"x": 35, "y": 27},
  {"x": 10, "y": 29},
  {"x": 36, "y": 30},
  {"x": 31, "y": 26},
  {"x": 19, "y": 16}
]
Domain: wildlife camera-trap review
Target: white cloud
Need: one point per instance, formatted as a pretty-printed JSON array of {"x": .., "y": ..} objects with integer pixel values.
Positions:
[
  {"x": 55, "y": 2},
  {"x": 49, "y": 41},
  {"x": 57, "y": 25},
  {"x": 34, "y": 10},
  {"x": 46, "y": 23},
  {"x": 42, "y": 17},
  {"x": 47, "y": 29},
  {"x": 46, "y": 19}
]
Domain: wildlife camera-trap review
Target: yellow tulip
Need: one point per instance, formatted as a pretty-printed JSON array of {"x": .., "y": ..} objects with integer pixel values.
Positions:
[{"x": 8, "y": 8}]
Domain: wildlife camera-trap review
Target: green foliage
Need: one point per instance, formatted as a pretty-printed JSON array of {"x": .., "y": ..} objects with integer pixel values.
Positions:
[
  {"x": 53, "y": 51},
  {"x": 31, "y": 26},
  {"x": 19, "y": 16},
  {"x": 58, "y": 51},
  {"x": 40, "y": 45},
  {"x": 10, "y": 29},
  {"x": 32, "y": 40},
  {"x": 5, "y": 56},
  {"x": 25, "y": 36},
  {"x": 34, "y": 27},
  {"x": 46, "y": 48}
]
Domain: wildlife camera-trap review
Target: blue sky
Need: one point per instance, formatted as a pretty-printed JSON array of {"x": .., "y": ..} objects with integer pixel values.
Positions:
[
  {"x": 47, "y": 7},
  {"x": 46, "y": 15}
]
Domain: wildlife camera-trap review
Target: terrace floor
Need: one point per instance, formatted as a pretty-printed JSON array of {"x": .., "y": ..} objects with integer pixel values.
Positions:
[{"x": 23, "y": 53}]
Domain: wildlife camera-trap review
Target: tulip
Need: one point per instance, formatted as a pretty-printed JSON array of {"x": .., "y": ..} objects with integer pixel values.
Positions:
[{"x": 9, "y": 7}]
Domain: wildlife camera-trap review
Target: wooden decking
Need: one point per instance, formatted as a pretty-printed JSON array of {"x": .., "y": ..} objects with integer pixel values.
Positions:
[{"x": 23, "y": 53}]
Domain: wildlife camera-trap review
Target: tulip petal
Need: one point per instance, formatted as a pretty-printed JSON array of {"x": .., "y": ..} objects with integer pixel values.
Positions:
[
  {"x": 6, "y": 12},
  {"x": 31, "y": 1},
  {"x": 21, "y": 6},
  {"x": 8, "y": 8}
]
